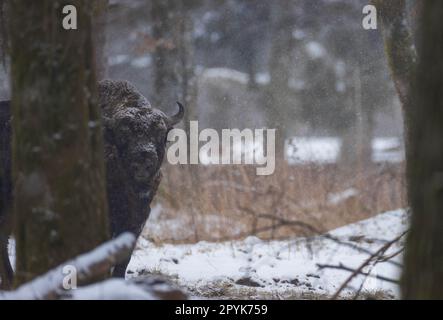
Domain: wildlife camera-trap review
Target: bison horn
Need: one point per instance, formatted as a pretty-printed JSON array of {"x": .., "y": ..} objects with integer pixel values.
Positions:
[{"x": 173, "y": 120}]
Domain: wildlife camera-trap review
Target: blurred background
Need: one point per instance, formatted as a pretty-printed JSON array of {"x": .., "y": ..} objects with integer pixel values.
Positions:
[{"x": 306, "y": 68}]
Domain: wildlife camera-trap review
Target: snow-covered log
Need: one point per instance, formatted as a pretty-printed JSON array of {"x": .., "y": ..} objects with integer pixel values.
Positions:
[
  {"x": 89, "y": 266},
  {"x": 149, "y": 288}
]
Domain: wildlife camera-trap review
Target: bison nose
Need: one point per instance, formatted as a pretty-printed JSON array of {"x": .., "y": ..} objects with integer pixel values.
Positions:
[
  {"x": 143, "y": 163},
  {"x": 142, "y": 171},
  {"x": 144, "y": 154},
  {"x": 147, "y": 156}
]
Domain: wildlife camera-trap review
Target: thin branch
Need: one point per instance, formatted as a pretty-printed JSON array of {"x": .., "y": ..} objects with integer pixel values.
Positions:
[
  {"x": 355, "y": 272},
  {"x": 359, "y": 270}
]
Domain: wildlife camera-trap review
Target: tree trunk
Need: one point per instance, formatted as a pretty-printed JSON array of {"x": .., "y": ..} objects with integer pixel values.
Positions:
[
  {"x": 3, "y": 32},
  {"x": 277, "y": 95},
  {"x": 60, "y": 206},
  {"x": 174, "y": 68},
  {"x": 400, "y": 52},
  {"x": 173, "y": 59},
  {"x": 364, "y": 124},
  {"x": 100, "y": 37},
  {"x": 6, "y": 273},
  {"x": 350, "y": 136},
  {"x": 423, "y": 262}
]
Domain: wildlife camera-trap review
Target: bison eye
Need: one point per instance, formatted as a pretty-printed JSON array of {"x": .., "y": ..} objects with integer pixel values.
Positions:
[{"x": 140, "y": 133}]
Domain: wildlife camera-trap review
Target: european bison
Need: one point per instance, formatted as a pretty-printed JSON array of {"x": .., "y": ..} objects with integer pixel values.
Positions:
[{"x": 135, "y": 137}]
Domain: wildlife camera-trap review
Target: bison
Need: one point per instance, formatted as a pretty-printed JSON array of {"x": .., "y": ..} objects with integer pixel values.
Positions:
[{"x": 135, "y": 136}]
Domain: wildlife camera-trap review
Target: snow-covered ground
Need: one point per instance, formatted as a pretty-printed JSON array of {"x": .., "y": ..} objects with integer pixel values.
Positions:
[
  {"x": 278, "y": 269},
  {"x": 252, "y": 268},
  {"x": 322, "y": 150},
  {"x": 327, "y": 150}
]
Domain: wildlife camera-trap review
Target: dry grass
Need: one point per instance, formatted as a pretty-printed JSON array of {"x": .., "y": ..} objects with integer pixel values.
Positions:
[{"x": 216, "y": 203}]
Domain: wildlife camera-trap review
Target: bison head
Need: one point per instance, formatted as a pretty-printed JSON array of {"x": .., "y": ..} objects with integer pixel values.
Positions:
[{"x": 135, "y": 135}]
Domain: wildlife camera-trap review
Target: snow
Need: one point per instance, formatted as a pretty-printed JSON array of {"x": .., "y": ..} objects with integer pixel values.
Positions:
[
  {"x": 316, "y": 150},
  {"x": 225, "y": 73},
  {"x": 337, "y": 198},
  {"x": 118, "y": 59},
  {"x": 141, "y": 62},
  {"x": 263, "y": 78},
  {"x": 285, "y": 267},
  {"x": 315, "y": 50},
  {"x": 113, "y": 289},
  {"x": 325, "y": 150},
  {"x": 52, "y": 281},
  {"x": 387, "y": 150},
  {"x": 321, "y": 150}
]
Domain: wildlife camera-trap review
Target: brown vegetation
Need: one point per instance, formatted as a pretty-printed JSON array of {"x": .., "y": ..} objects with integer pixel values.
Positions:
[{"x": 216, "y": 203}]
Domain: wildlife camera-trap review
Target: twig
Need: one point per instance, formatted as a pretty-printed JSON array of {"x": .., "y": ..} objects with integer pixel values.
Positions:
[
  {"x": 391, "y": 256},
  {"x": 358, "y": 271},
  {"x": 355, "y": 272}
]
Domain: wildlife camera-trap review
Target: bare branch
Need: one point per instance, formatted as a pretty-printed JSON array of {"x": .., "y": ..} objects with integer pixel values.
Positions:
[
  {"x": 355, "y": 272},
  {"x": 375, "y": 258}
]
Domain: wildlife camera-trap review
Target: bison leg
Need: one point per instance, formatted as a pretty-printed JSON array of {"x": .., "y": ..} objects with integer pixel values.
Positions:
[
  {"x": 136, "y": 229},
  {"x": 120, "y": 269}
]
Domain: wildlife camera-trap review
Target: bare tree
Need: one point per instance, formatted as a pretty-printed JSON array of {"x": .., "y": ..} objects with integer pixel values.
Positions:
[
  {"x": 99, "y": 32},
  {"x": 278, "y": 95},
  {"x": 58, "y": 165},
  {"x": 174, "y": 77}
]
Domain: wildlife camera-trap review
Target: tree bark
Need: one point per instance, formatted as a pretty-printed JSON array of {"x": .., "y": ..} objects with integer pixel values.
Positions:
[
  {"x": 173, "y": 57},
  {"x": 400, "y": 52},
  {"x": 277, "y": 94},
  {"x": 6, "y": 272},
  {"x": 100, "y": 37},
  {"x": 60, "y": 206},
  {"x": 174, "y": 67},
  {"x": 3, "y": 32},
  {"x": 423, "y": 262}
]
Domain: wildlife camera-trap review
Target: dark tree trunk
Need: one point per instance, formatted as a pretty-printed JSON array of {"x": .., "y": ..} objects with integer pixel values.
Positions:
[
  {"x": 60, "y": 206},
  {"x": 5, "y": 194},
  {"x": 400, "y": 52},
  {"x": 3, "y": 32},
  {"x": 423, "y": 263}
]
